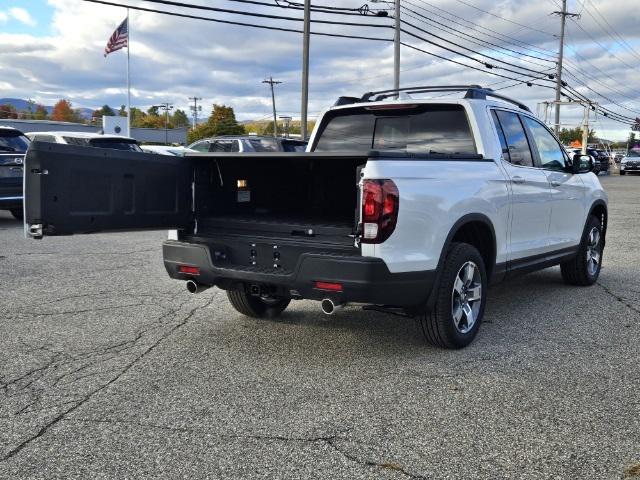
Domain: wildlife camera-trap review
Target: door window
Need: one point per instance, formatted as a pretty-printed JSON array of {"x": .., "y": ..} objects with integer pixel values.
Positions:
[
  {"x": 516, "y": 139},
  {"x": 201, "y": 147},
  {"x": 550, "y": 152},
  {"x": 222, "y": 146}
]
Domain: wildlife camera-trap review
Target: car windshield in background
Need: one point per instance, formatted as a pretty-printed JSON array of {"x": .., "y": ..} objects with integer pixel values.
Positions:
[
  {"x": 263, "y": 144},
  {"x": 422, "y": 129},
  {"x": 13, "y": 142},
  {"x": 115, "y": 143},
  {"x": 293, "y": 146},
  {"x": 633, "y": 153}
]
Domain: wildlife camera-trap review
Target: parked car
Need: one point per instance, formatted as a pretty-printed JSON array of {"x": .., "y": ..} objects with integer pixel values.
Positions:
[
  {"x": 85, "y": 139},
  {"x": 248, "y": 143},
  {"x": 600, "y": 158},
  {"x": 407, "y": 206},
  {"x": 166, "y": 150},
  {"x": 13, "y": 146},
  {"x": 630, "y": 162}
]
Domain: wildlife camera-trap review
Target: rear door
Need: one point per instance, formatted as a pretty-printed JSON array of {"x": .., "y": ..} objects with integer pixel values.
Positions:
[{"x": 70, "y": 189}]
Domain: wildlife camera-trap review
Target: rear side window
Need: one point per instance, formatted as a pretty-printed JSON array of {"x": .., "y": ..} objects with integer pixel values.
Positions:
[
  {"x": 516, "y": 138},
  {"x": 115, "y": 144},
  {"x": 263, "y": 144},
  {"x": 224, "y": 146},
  {"x": 422, "y": 129}
]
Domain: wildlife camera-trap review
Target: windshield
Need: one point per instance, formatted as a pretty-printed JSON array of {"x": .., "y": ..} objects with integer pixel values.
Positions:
[
  {"x": 11, "y": 141},
  {"x": 417, "y": 129},
  {"x": 293, "y": 146},
  {"x": 633, "y": 153},
  {"x": 263, "y": 144}
]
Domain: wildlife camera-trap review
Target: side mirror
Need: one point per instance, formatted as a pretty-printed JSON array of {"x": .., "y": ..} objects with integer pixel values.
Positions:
[{"x": 582, "y": 164}]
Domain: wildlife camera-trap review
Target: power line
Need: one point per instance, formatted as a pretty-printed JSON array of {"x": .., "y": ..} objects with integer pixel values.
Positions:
[
  {"x": 231, "y": 22},
  {"x": 260, "y": 15},
  {"x": 505, "y": 19}
]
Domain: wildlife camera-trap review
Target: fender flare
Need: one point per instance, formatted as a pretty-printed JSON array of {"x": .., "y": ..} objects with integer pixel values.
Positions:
[
  {"x": 465, "y": 219},
  {"x": 598, "y": 203}
]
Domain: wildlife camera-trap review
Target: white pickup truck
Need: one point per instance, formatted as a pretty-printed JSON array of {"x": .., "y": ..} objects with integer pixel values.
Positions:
[{"x": 405, "y": 205}]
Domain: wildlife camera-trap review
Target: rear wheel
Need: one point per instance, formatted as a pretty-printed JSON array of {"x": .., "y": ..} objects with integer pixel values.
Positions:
[
  {"x": 17, "y": 213},
  {"x": 584, "y": 269},
  {"x": 257, "y": 306},
  {"x": 457, "y": 313},
  {"x": 622, "y": 172}
]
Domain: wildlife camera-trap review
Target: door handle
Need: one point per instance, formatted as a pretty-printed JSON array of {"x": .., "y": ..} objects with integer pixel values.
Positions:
[
  {"x": 555, "y": 183},
  {"x": 517, "y": 179}
]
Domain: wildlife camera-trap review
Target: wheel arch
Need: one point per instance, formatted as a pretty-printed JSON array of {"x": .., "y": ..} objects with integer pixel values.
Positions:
[
  {"x": 477, "y": 230},
  {"x": 599, "y": 209}
]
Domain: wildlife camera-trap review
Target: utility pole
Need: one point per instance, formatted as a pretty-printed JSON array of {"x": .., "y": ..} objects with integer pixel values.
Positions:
[
  {"x": 195, "y": 108},
  {"x": 396, "y": 48},
  {"x": 166, "y": 106},
  {"x": 273, "y": 82},
  {"x": 563, "y": 19},
  {"x": 305, "y": 68}
]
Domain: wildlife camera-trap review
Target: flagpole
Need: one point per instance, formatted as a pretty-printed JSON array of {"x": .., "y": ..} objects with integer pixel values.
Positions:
[{"x": 128, "y": 77}]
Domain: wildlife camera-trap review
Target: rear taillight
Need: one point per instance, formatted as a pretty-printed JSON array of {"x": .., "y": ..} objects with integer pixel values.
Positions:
[
  {"x": 380, "y": 201},
  {"x": 189, "y": 270}
]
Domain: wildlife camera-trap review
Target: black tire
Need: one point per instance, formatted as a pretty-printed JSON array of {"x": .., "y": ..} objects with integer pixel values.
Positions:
[
  {"x": 578, "y": 270},
  {"x": 438, "y": 325},
  {"x": 17, "y": 213},
  {"x": 257, "y": 307},
  {"x": 622, "y": 172}
]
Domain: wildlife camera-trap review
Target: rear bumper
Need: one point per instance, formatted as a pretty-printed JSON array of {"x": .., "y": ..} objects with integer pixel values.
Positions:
[{"x": 363, "y": 279}]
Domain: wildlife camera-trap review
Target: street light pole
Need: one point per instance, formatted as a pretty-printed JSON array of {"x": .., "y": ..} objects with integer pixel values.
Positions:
[
  {"x": 194, "y": 109},
  {"x": 305, "y": 68}
]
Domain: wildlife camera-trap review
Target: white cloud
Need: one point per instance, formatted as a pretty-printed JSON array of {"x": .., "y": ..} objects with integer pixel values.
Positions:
[
  {"x": 3, "y": 17},
  {"x": 22, "y": 16},
  {"x": 176, "y": 58}
]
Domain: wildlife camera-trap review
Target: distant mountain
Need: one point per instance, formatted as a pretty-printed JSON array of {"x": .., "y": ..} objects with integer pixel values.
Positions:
[{"x": 21, "y": 104}]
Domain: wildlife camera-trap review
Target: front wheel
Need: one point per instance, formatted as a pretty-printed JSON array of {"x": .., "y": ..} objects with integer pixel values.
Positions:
[
  {"x": 457, "y": 313},
  {"x": 622, "y": 172},
  {"x": 584, "y": 269},
  {"x": 257, "y": 307}
]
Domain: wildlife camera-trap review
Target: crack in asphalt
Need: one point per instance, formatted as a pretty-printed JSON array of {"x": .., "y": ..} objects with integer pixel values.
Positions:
[
  {"x": 329, "y": 440},
  {"x": 17, "y": 449},
  {"x": 620, "y": 299}
]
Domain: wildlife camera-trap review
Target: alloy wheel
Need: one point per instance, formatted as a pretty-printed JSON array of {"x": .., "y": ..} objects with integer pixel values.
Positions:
[
  {"x": 466, "y": 297},
  {"x": 593, "y": 251}
]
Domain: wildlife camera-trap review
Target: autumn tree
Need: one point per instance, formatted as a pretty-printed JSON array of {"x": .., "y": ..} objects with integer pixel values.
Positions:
[
  {"x": 8, "y": 111},
  {"x": 63, "y": 112}
]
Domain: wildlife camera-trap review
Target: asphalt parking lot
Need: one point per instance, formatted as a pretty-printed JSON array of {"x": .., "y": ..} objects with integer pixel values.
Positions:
[{"x": 109, "y": 369}]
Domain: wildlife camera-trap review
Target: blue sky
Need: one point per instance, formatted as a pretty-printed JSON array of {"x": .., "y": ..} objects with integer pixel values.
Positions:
[
  {"x": 55, "y": 51},
  {"x": 39, "y": 10}
]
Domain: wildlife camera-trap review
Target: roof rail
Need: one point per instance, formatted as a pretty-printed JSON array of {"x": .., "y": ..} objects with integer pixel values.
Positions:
[{"x": 472, "y": 91}]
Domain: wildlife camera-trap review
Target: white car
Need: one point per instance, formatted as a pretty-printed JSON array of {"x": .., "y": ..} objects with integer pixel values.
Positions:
[
  {"x": 411, "y": 206},
  {"x": 85, "y": 139},
  {"x": 166, "y": 150},
  {"x": 630, "y": 162}
]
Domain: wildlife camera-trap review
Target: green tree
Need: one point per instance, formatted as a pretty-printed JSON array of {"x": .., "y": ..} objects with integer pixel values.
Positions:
[
  {"x": 568, "y": 135},
  {"x": 123, "y": 111},
  {"x": 180, "y": 119},
  {"x": 221, "y": 122},
  {"x": 40, "y": 113}
]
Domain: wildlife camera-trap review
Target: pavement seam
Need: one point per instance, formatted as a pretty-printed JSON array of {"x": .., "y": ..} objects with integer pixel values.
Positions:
[
  {"x": 14, "y": 451},
  {"x": 620, "y": 299},
  {"x": 329, "y": 440}
]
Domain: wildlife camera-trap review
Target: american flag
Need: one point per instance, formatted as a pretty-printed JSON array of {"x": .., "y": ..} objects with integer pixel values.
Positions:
[{"x": 119, "y": 39}]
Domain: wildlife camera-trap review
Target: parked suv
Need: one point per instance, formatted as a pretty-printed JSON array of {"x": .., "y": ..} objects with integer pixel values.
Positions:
[
  {"x": 630, "y": 162},
  {"x": 248, "y": 143},
  {"x": 408, "y": 206},
  {"x": 13, "y": 146},
  {"x": 86, "y": 139},
  {"x": 600, "y": 158}
]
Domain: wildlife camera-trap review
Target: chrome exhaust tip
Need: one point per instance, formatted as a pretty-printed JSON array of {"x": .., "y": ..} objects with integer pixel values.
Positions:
[
  {"x": 194, "y": 287},
  {"x": 329, "y": 307}
]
